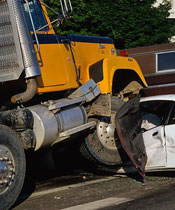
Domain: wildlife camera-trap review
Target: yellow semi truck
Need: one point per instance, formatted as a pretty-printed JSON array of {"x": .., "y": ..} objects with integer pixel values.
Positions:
[{"x": 55, "y": 87}]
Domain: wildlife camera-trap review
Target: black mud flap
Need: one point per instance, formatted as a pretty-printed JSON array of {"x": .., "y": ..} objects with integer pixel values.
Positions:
[{"x": 128, "y": 125}]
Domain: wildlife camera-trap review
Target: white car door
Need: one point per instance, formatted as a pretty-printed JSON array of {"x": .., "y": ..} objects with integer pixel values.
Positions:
[
  {"x": 155, "y": 146},
  {"x": 154, "y": 120},
  {"x": 170, "y": 140}
]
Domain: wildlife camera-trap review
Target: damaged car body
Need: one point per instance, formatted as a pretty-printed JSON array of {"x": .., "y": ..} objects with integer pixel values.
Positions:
[
  {"x": 146, "y": 129},
  {"x": 159, "y": 131},
  {"x": 128, "y": 126}
]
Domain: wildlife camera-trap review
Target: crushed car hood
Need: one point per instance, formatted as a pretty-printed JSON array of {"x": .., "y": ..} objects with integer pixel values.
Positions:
[{"x": 128, "y": 125}]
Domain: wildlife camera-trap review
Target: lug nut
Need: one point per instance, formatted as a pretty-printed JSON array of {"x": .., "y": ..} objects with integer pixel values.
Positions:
[
  {"x": 5, "y": 158},
  {"x": 5, "y": 168},
  {"x": 9, "y": 176},
  {"x": 9, "y": 162},
  {"x": 5, "y": 181},
  {"x": 11, "y": 169}
]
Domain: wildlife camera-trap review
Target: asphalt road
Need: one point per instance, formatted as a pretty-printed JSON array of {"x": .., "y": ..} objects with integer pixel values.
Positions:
[
  {"x": 87, "y": 191},
  {"x": 76, "y": 186},
  {"x": 161, "y": 200}
]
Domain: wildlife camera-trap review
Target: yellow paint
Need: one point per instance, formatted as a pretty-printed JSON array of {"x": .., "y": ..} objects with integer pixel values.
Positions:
[
  {"x": 57, "y": 68},
  {"x": 89, "y": 53},
  {"x": 58, "y": 71},
  {"x": 56, "y": 65},
  {"x": 51, "y": 30},
  {"x": 111, "y": 65}
]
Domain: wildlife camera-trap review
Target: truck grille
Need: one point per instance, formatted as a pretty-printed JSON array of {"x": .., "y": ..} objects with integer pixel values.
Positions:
[
  {"x": 9, "y": 65},
  {"x": 17, "y": 53}
]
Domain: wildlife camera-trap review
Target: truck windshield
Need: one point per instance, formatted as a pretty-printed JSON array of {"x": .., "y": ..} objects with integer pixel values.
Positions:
[{"x": 37, "y": 15}]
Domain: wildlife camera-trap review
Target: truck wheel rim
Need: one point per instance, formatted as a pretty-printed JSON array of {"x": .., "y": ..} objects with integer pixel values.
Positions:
[
  {"x": 7, "y": 168},
  {"x": 106, "y": 134}
]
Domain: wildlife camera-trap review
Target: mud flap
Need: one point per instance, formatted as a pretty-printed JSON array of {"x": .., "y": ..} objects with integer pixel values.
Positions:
[{"x": 128, "y": 125}]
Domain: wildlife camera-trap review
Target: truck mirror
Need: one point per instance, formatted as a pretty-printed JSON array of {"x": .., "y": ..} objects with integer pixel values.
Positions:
[{"x": 66, "y": 8}]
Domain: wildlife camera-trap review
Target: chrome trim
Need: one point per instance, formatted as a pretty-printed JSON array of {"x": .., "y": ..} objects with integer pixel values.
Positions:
[
  {"x": 89, "y": 90},
  {"x": 65, "y": 8},
  {"x": 26, "y": 42},
  {"x": 70, "y": 5},
  {"x": 45, "y": 126},
  {"x": 32, "y": 71},
  {"x": 11, "y": 62},
  {"x": 68, "y": 133},
  {"x": 7, "y": 168},
  {"x": 33, "y": 26},
  {"x": 60, "y": 104},
  {"x": 160, "y": 86},
  {"x": 105, "y": 132}
]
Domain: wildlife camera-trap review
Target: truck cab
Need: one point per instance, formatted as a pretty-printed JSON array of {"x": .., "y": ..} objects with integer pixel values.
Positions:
[{"x": 69, "y": 61}]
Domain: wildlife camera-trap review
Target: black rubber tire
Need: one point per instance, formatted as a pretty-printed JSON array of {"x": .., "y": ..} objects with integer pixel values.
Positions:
[
  {"x": 95, "y": 152},
  {"x": 9, "y": 139}
]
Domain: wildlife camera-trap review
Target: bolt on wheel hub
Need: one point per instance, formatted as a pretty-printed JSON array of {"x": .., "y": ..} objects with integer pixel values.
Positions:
[{"x": 7, "y": 168}]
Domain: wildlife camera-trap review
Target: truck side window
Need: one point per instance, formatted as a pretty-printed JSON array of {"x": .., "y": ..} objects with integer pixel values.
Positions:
[{"x": 37, "y": 15}]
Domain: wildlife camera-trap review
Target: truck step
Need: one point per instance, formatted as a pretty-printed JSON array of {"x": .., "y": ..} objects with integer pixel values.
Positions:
[{"x": 68, "y": 133}]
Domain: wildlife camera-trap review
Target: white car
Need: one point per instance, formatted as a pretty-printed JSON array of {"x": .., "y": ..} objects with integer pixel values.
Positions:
[
  {"x": 148, "y": 137},
  {"x": 159, "y": 137}
]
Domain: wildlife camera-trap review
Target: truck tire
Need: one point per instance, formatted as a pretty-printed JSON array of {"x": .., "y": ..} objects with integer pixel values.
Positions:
[
  {"x": 12, "y": 167},
  {"x": 102, "y": 146}
]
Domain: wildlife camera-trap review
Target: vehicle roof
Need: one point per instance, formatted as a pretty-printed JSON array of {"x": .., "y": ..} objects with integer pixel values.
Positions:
[{"x": 169, "y": 97}]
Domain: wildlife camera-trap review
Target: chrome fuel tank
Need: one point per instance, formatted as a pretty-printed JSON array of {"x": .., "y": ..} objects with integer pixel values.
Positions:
[{"x": 48, "y": 125}]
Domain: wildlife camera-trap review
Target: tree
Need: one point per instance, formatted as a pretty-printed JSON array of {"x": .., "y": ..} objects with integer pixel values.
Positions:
[{"x": 131, "y": 23}]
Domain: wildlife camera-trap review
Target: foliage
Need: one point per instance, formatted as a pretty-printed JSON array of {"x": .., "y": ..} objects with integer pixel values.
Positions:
[{"x": 131, "y": 23}]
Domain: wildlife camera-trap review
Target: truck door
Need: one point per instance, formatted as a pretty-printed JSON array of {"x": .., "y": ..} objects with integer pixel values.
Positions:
[
  {"x": 54, "y": 56},
  {"x": 128, "y": 124}
]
